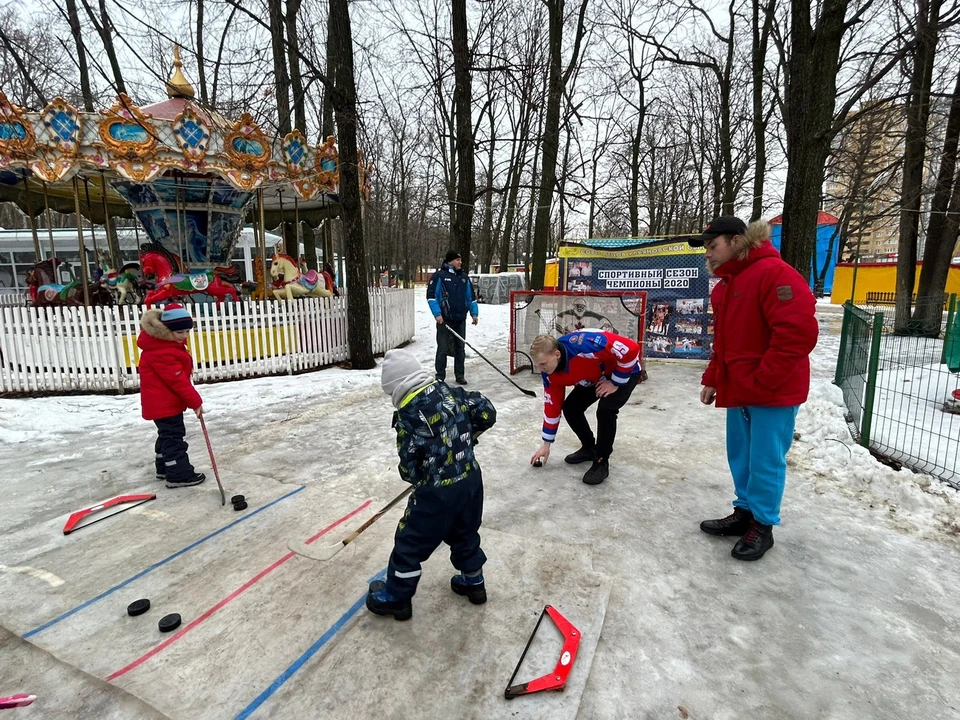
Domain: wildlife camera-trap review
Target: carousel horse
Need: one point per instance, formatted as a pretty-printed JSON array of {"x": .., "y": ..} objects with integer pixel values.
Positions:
[
  {"x": 174, "y": 280},
  {"x": 44, "y": 290},
  {"x": 259, "y": 286},
  {"x": 123, "y": 282},
  {"x": 290, "y": 283}
]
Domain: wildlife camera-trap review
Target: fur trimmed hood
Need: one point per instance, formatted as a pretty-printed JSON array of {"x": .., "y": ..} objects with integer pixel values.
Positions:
[
  {"x": 756, "y": 233},
  {"x": 151, "y": 325}
]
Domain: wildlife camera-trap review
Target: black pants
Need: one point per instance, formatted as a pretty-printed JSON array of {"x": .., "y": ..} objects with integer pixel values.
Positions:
[
  {"x": 171, "y": 449},
  {"x": 435, "y": 515},
  {"x": 444, "y": 337},
  {"x": 575, "y": 407}
]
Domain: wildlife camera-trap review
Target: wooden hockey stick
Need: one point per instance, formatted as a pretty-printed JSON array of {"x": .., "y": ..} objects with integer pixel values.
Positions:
[{"x": 325, "y": 552}]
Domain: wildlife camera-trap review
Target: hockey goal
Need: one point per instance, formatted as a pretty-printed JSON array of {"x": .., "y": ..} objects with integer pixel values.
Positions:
[{"x": 558, "y": 313}]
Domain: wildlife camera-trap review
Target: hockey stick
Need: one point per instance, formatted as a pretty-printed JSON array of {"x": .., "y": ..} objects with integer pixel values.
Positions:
[
  {"x": 326, "y": 552},
  {"x": 213, "y": 461},
  {"x": 531, "y": 393}
]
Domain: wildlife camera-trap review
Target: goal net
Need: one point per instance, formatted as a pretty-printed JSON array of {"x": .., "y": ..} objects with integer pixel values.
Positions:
[{"x": 558, "y": 313}]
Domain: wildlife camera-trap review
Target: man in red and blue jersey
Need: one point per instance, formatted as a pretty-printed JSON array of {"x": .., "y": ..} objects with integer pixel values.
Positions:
[{"x": 600, "y": 366}]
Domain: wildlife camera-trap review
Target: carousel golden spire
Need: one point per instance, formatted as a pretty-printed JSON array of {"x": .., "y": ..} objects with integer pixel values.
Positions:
[{"x": 178, "y": 86}]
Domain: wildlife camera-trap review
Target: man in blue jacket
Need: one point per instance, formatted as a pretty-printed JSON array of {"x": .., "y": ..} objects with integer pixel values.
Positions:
[{"x": 450, "y": 301}]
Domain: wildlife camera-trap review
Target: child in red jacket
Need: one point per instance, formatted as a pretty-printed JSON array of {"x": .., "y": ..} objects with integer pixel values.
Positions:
[{"x": 166, "y": 390}]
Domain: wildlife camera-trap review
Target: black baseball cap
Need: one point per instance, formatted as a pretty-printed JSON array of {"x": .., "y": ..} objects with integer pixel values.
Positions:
[{"x": 723, "y": 225}]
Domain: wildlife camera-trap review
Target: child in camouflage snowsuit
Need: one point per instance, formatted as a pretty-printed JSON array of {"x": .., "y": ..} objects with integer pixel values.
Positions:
[{"x": 437, "y": 427}]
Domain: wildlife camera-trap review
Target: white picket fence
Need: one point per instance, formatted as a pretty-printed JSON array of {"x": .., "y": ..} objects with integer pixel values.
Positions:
[
  {"x": 76, "y": 349},
  {"x": 12, "y": 298}
]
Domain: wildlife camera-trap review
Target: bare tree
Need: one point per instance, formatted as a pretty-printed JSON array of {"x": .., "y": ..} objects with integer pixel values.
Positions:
[{"x": 550, "y": 139}]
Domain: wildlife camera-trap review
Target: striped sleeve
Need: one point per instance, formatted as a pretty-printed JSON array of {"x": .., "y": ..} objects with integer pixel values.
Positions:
[{"x": 553, "y": 395}]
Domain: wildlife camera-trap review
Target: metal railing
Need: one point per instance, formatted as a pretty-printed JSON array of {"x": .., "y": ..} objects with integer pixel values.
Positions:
[{"x": 898, "y": 390}]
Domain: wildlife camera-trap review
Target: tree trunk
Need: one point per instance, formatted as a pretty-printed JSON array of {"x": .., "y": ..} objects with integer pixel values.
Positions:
[
  {"x": 103, "y": 27},
  {"x": 463, "y": 99},
  {"x": 486, "y": 233},
  {"x": 281, "y": 81},
  {"x": 75, "y": 30},
  {"x": 513, "y": 195},
  {"x": 551, "y": 133},
  {"x": 326, "y": 112},
  {"x": 810, "y": 79},
  {"x": 941, "y": 227},
  {"x": 726, "y": 134},
  {"x": 761, "y": 35},
  {"x": 914, "y": 155},
  {"x": 634, "y": 199},
  {"x": 201, "y": 62},
  {"x": 345, "y": 104},
  {"x": 293, "y": 56}
]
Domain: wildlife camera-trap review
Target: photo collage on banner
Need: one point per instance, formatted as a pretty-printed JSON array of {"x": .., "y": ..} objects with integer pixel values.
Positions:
[{"x": 679, "y": 319}]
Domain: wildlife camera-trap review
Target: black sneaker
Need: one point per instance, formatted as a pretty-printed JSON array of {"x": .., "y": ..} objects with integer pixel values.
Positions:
[
  {"x": 757, "y": 540},
  {"x": 461, "y": 381},
  {"x": 580, "y": 456},
  {"x": 187, "y": 482},
  {"x": 471, "y": 587},
  {"x": 736, "y": 523},
  {"x": 381, "y": 602},
  {"x": 597, "y": 473}
]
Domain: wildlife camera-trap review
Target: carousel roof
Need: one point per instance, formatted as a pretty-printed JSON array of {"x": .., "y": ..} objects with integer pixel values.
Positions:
[{"x": 41, "y": 153}]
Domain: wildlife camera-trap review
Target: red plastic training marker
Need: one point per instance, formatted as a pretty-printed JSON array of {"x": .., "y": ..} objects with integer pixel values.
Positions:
[
  {"x": 568, "y": 653},
  {"x": 74, "y": 520},
  {"x": 15, "y": 701}
]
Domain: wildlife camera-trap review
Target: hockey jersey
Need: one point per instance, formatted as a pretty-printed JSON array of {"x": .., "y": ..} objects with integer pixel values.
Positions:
[{"x": 585, "y": 357}]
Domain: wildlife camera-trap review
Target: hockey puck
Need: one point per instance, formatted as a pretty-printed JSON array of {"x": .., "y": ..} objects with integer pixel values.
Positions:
[
  {"x": 138, "y": 607},
  {"x": 237, "y": 498},
  {"x": 169, "y": 622},
  {"x": 238, "y": 506},
  {"x": 538, "y": 462}
]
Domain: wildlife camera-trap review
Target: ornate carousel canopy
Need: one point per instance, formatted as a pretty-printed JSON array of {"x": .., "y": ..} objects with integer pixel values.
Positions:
[{"x": 168, "y": 164}]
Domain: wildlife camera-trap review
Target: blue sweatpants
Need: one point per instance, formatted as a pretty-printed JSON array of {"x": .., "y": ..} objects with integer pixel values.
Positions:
[{"x": 758, "y": 439}]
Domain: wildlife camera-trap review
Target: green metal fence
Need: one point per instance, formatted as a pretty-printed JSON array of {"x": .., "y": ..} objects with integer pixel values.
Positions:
[{"x": 898, "y": 390}]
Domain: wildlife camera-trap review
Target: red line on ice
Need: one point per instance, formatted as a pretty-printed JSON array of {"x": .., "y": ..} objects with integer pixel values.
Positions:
[{"x": 248, "y": 584}]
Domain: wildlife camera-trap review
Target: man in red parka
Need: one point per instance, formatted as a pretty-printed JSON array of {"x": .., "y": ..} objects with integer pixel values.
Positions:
[
  {"x": 166, "y": 390},
  {"x": 765, "y": 329}
]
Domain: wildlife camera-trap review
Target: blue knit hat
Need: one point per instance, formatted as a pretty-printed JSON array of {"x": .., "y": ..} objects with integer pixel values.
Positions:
[{"x": 176, "y": 317}]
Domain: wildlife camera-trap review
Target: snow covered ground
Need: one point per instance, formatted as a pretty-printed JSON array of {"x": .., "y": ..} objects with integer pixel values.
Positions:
[{"x": 852, "y": 615}]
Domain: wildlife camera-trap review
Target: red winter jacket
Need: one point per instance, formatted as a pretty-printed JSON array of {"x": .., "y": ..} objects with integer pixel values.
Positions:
[
  {"x": 764, "y": 331},
  {"x": 165, "y": 369}
]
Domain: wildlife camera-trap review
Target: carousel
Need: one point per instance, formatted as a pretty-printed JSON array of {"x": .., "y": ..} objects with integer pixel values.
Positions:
[
  {"x": 190, "y": 178},
  {"x": 188, "y": 183}
]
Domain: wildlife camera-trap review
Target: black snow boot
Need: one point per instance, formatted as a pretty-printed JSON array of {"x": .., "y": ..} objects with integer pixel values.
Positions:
[
  {"x": 580, "y": 456},
  {"x": 757, "y": 540},
  {"x": 187, "y": 482},
  {"x": 381, "y": 602},
  {"x": 598, "y": 472},
  {"x": 461, "y": 381},
  {"x": 735, "y": 524},
  {"x": 470, "y": 587}
]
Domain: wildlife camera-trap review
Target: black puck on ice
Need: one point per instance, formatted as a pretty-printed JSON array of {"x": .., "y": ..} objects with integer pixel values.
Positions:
[
  {"x": 538, "y": 462},
  {"x": 138, "y": 607},
  {"x": 237, "y": 498},
  {"x": 169, "y": 622},
  {"x": 238, "y": 506}
]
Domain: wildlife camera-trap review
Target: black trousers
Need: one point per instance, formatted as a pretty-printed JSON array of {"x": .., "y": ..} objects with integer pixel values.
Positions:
[
  {"x": 582, "y": 397},
  {"x": 435, "y": 515},
  {"x": 171, "y": 449},
  {"x": 446, "y": 338}
]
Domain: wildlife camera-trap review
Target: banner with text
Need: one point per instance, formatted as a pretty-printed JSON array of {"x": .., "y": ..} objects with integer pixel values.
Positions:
[{"x": 679, "y": 319}]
